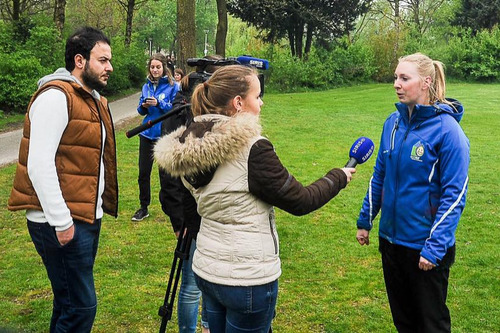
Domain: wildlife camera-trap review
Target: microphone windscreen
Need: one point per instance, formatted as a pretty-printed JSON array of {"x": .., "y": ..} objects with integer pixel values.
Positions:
[
  {"x": 256, "y": 62},
  {"x": 362, "y": 149}
]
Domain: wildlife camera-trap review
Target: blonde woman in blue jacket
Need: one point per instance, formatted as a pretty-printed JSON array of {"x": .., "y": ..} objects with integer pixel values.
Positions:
[
  {"x": 156, "y": 100},
  {"x": 420, "y": 184}
]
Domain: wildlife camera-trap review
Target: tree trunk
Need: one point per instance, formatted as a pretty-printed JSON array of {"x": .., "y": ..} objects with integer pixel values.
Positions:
[
  {"x": 186, "y": 32},
  {"x": 299, "y": 32},
  {"x": 397, "y": 23},
  {"x": 291, "y": 40},
  {"x": 60, "y": 15},
  {"x": 220, "y": 38},
  {"x": 16, "y": 10},
  {"x": 130, "y": 17},
  {"x": 309, "y": 35}
]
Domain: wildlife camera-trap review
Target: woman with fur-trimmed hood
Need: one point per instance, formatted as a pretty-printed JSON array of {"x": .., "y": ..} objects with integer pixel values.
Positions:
[{"x": 236, "y": 178}]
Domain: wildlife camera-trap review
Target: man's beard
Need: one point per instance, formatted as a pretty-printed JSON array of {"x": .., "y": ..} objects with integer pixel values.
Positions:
[{"x": 91, "y": 79}]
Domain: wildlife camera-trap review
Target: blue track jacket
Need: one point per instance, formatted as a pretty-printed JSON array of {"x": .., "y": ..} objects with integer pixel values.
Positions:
[
  {"x": 165, "y": 94},
  {"x": 420, "y": 179}
]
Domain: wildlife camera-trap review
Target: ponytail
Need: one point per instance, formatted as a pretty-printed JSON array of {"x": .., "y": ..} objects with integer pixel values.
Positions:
[
  {"x": 438, "y": 88},
  {"x": 215, "y": 94}
]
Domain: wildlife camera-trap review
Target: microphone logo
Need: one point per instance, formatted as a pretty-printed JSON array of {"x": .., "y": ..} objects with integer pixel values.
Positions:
[{"x": 256, "y": 63}]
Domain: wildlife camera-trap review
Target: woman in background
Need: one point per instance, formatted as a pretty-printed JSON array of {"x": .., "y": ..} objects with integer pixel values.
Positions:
[
  {"x": 156, "y": 100},
  {"x": 178, "y": 75},
  {"x": 419, "y": 183}
]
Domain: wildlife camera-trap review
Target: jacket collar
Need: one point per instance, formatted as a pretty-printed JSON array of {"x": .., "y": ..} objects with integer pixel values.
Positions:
[
  {"x": 209, "y": 141},
  {"x": 422, "y": 112}
]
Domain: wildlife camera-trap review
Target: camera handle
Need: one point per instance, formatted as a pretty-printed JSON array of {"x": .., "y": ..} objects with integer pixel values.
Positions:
[
  {"x": 181, "y": 254},
  {"x": 150, "y": 123}
]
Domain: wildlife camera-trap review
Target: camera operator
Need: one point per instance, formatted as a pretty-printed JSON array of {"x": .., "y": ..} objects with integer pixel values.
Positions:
[{"x": 178, "y": 199}]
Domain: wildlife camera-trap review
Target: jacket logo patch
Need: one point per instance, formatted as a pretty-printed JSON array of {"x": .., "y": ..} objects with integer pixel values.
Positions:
[
  {"x": 161, "y": 97},
  {"x": 417, "y": 152}
]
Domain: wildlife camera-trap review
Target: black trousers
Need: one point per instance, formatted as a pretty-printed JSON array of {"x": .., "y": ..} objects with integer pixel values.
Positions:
[
  {"x": 170, "y": 195},
  {"x": 417, "y": 298}
]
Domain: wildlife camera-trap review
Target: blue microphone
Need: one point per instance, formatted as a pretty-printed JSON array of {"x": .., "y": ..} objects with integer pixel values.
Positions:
[
  {"x": 360, "y": 152},
  {"x": 255, "y": 62}
]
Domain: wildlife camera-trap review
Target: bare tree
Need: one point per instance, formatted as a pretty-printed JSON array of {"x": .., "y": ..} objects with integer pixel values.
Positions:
[
  {"x": 395, "y": 5},
  {"x": 186, "y": 32},
  {"x": 15, "y": 9},
  {"x": 422, "y": 13},
  {"x": 220, "y": 38},
  {"x": 130, "y": 6}
]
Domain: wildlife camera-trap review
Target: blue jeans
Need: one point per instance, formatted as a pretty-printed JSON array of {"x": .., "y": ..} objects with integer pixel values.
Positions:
[
  {"x": 189, "y": 298},
  {"x": 70, "y": 270},
  {"x": 235, "y": 309}
]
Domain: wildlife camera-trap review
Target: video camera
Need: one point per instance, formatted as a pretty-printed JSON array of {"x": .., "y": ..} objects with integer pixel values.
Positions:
[{"x": 201, "y": 64}]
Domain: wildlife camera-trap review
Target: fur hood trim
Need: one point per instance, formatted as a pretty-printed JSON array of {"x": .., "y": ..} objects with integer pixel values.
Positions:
[{"x": 225, "y": 141}]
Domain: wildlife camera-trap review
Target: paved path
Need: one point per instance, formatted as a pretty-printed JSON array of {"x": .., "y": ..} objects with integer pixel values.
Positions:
[{"x": 121, "y": 110}]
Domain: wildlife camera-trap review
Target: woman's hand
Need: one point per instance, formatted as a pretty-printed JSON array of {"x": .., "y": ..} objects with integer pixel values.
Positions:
[
  {"x": 363, "y": 237},
  {"x": 425, "y": 264},
  {"x": 349, "y": 172},
  {"x": 150, "y": 101}
]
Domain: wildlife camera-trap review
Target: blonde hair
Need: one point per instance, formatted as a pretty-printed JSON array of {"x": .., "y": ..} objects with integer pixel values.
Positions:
[
  {"x": 435, "y": 70},
  {"x": 215, "y": 94}
]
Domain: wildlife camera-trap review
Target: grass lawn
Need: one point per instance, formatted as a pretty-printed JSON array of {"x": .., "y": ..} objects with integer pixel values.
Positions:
[{"x": 329, "y": 282}]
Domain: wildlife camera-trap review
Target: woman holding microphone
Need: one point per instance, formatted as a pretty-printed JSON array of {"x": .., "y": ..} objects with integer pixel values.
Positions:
[{"x": 236, "y": 178}]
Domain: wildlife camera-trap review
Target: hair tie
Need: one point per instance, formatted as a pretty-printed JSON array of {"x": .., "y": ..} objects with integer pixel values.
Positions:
[{"x": 205, "y": 85}]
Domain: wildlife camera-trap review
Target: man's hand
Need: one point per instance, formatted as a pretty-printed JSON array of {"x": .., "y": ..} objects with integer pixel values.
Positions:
[
  {"x": 363, "y": 237},
  {"x": 65, "y": 236}
]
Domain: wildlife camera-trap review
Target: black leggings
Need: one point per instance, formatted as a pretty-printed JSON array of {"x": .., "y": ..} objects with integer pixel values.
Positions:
[{"x": 170, "y": 195}]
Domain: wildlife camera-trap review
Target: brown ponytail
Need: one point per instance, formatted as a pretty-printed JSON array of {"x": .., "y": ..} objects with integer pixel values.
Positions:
[{"x": 215, "y": 94}]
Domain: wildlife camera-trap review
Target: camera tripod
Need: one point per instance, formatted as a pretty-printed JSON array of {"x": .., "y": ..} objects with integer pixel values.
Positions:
[{"x": 181, "y": 254}]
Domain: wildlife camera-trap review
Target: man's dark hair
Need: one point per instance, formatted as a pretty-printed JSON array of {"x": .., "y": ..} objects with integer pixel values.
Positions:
[{"x": 82, "y": 42}]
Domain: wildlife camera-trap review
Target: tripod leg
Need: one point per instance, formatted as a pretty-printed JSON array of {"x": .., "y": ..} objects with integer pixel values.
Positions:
[{"x": 180, "y": 255}]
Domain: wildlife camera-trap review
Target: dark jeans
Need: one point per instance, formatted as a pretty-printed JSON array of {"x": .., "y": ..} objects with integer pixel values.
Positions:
[
  {"x": 417, "y": 298},
  {"x": 70, "y": 270},
  {"x": 234, "y": 309}
]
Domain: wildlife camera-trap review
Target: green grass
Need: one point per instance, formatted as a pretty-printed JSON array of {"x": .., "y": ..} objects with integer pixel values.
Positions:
[
  {"x": 329, "y": 282},
  {"x": 10, "y": 121}
]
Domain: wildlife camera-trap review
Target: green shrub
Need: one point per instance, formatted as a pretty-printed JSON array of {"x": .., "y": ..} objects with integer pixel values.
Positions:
[
  {"x": 24, "y": 62},
  {"x": 20, "y": 73},
  {"x": 344, "y": 64},
  {"x": 45, "y": 44},
  {"x": 474, "y": 57},
  {"x": 7, "y": 41}
]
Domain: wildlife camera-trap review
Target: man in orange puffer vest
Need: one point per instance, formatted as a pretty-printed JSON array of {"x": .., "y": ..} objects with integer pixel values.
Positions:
[{"x": 66, "y": 176}]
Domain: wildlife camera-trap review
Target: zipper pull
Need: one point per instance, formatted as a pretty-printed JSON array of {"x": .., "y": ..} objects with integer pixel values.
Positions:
[{"x": 393, "y": 136}]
